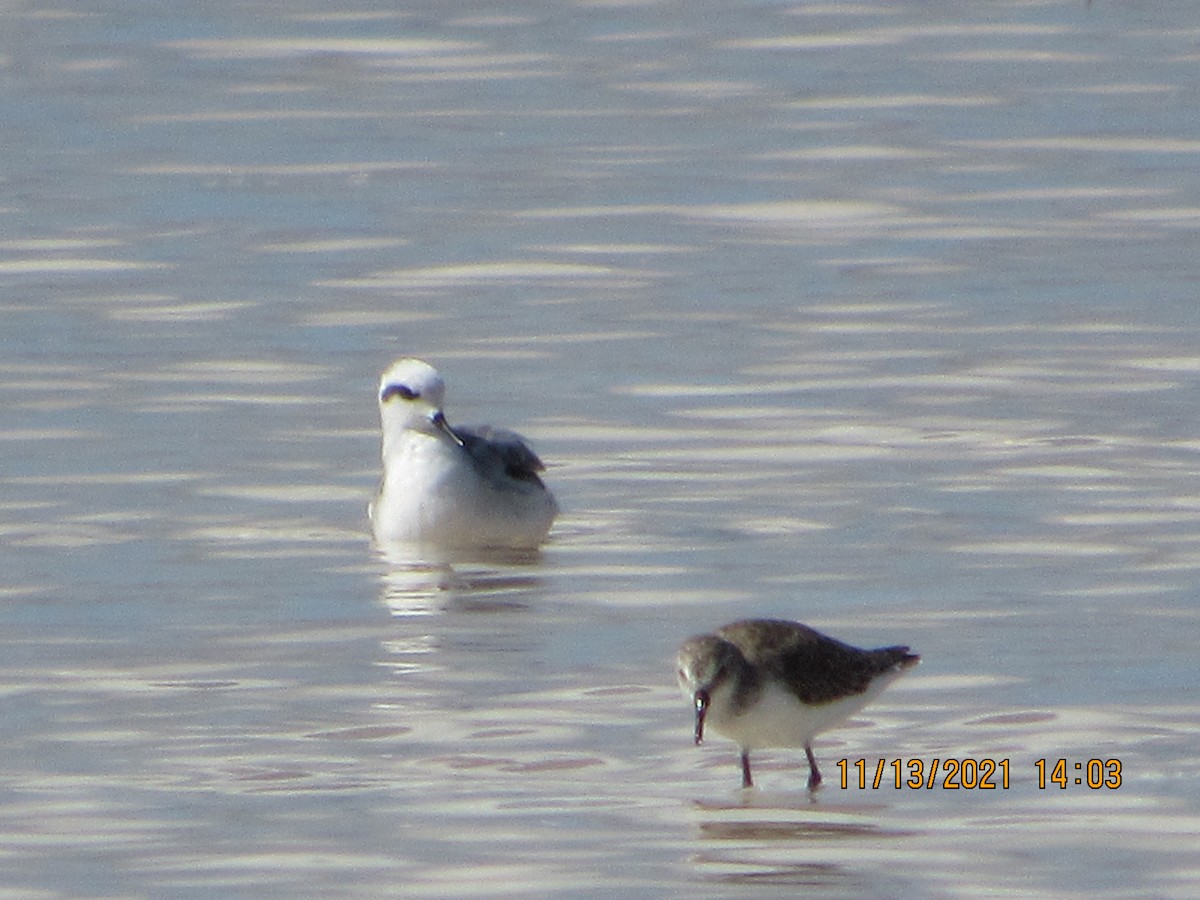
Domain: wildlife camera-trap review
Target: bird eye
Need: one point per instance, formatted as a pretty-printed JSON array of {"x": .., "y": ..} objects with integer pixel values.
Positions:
[{"x": 398, "y": 390}]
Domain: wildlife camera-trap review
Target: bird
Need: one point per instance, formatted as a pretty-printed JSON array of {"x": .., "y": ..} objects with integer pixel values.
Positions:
[
  {"x": 777, "y": 683},
  {"x": 452, "y": 487}
]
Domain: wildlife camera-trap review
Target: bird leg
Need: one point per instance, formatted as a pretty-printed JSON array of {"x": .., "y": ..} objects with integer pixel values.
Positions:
[
  {"x": 747, "y": 781},
  {"x": 814, "y": 774}
]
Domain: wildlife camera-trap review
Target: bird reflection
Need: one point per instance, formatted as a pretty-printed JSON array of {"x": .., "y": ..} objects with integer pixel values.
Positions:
[{"x": 417, "y": 581}]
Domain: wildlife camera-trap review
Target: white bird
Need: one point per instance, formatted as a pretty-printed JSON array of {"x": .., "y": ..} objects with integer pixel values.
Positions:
[
  {"x": 774, "y": 683},
  {"x": 452, "y": 487}
]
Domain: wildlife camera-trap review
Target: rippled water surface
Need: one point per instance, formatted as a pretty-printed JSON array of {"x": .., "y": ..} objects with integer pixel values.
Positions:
[{"x": 881, "y": 316}]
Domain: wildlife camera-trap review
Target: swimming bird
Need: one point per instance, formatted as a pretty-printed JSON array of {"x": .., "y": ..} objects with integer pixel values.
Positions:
[
  {"x": 774, "y": 683},
  {"x": 452, "y": 487}
]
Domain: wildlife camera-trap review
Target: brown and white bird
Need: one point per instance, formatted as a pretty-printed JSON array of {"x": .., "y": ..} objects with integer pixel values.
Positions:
[{"x": 774, "y": 683}]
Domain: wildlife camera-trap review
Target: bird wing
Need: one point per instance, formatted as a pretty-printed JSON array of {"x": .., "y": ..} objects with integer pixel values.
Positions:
[
  {"x": 816, "y": 667},
  {"x": 496, "y": 450}
]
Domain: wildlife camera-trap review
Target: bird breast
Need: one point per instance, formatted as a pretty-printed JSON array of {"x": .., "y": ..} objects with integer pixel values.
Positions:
[{"x": 776, "y": 717}]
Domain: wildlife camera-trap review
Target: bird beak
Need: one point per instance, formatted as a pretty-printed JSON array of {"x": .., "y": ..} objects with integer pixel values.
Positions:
[
  {"x": 439, "y": 421},
  {"x": 701, "y": 702}
]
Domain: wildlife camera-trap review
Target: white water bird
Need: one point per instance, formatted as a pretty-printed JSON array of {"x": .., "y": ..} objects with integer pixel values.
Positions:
[{"x": 457, "y": 487}]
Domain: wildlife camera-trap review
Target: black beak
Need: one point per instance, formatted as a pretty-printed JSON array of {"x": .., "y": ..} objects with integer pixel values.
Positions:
[
  {"x": 439, "y": 420},
  {"x": 701, "y": 702}
]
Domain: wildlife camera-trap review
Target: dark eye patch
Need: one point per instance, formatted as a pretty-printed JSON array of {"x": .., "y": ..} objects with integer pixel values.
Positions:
[{"x": 398, "y": 390}]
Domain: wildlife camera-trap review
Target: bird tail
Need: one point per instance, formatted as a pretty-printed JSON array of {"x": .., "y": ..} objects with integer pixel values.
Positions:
[{"x": 895, "y": 657}]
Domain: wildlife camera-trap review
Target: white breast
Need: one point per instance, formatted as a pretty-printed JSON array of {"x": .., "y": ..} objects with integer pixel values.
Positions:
[
  {"x": 780, "y": 719},
  {"x": 431, "y": 494}
]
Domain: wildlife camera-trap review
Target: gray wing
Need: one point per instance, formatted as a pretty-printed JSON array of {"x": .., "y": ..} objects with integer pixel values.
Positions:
[
  {"x": 498, "y": 451},
  {"x": 828, "y": 669},
  {"x": 816, "y": 667}
]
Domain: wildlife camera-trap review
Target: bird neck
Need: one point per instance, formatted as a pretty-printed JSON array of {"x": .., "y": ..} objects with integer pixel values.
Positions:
[
  {"x": 738, "y": 684},
  {"x": 402, "y": 439}
]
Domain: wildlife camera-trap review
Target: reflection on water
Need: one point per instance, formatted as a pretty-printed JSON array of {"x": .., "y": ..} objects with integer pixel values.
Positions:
[
  {"x": 778, "y": 844},
  {"x": 421, "y": 581},
  {"x": 881, "y": 317}
]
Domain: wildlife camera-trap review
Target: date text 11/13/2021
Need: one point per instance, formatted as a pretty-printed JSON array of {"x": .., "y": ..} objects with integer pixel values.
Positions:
[{"x": 970, "y": 774}]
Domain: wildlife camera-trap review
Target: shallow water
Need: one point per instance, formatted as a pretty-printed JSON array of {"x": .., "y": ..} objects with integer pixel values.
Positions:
[{"x": 877, "y": 316}]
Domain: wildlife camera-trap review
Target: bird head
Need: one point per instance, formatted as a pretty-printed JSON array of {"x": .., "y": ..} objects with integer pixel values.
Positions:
[
  {"x": 703, "y": 667},
  {"x": 411, "y": 393}
]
